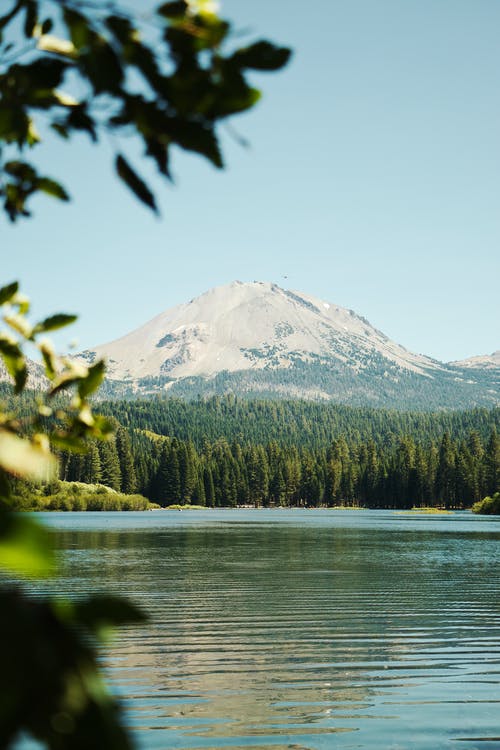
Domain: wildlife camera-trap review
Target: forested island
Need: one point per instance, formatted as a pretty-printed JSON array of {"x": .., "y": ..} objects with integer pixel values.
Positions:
[{"x": 230, "y": 452}]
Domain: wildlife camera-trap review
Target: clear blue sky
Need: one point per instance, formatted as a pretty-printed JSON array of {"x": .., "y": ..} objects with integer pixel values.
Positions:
[{"x": 372, "y": 181}]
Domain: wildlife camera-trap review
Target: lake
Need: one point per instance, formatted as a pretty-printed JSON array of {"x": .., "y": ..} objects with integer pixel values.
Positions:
[{"x": 299, "y": 628}]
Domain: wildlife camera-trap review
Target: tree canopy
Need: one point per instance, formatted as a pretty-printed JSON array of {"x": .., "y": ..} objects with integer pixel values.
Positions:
[{"x": 167, "y": 78}]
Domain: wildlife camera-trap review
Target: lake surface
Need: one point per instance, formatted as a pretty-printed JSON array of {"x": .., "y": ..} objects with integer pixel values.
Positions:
[{"x": 299, "y": 629}]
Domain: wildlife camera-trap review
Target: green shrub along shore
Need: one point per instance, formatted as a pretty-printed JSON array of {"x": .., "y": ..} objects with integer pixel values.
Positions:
[
  {"x": 488, "y": 506},
  {"x": 73, "y": 496}
]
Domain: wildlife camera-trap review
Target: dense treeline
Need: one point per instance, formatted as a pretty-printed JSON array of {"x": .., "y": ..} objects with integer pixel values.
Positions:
[
  {"x": 299, "y": 423},
  {"x": 447, "y": 473},
  {"x": 228, "y": 451}
]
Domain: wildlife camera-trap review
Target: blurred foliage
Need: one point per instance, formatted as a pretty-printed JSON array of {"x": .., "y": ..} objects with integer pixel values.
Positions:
[
  {"x": 50, "y": 681},
  {"x": 167, "y": 77}
]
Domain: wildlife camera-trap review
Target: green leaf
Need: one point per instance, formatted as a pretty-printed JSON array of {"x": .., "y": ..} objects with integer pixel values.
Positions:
[
  {"x": 20, "y": 457},
  {"x": 173, "y": 9},
  {"x": 64, "y": 381},
  {"x": 49, "y": 359},
  {"x": 134, "y": 182},
  {"x": 54, "y": 322},
  {"x": 7, "y": 292},
  {"x": 14, "y": 361},
  {"x": 47, "y": 26},
  {"x": 103, "y": 68},
  {"x": 262, "y": 56},
  {"x": 51, "y": 187},
  {"x": 19, "y": 323},
  {"x": 103, "y": 426},
  {"x": 25, "y": 546},
  {"x": 79, "y": 28},
  {"x": 31, "y": 18},
  {"x": 70, "y": 443},
  {"x": 60, "y": 130},
  {"x": 94, "y": 378}
]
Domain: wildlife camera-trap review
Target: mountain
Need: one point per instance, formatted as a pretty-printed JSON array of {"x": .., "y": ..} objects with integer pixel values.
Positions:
[
  {"x": 484, "y": 361},
  {"x": 257, "y": 339}
]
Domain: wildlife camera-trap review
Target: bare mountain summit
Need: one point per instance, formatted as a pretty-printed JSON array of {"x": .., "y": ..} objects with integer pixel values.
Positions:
[{"x": 259, "y": 339}]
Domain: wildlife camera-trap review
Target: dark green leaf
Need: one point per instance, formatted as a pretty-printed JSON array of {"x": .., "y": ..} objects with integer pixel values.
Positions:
[
  {"x": 172, "y": 9},
  {"x": 102, "y": 67},
  {"x": 21, "y": 170},
  {"x": 262, "y": 56},
  {"x": 51, "y": 187},
  {"x": 121, "y": 28},
  {"x": 47, "y": 26},
  {"x": 194, "y": 136},
  {"x": 31, "y": 18},
  {"x": 60, "y": 129},
  {"x": 7, "y": 292},
  {"x": 54, "y": 322},
  {"x": 15, "y": 363},
  {"x": 106, "y": 611},
  {"x": 134, "y": 182},
  {"x": 79, "y": 28},
  {"x": 79, "y": 119}
]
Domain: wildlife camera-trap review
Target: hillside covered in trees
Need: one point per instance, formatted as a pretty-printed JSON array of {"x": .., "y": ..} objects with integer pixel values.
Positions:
[{"x": 226, "y": 452}]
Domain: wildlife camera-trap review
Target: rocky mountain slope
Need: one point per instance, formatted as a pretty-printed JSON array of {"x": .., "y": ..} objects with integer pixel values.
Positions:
[
  {"x": 259, "y": 339},
  {"x": 488, "y": 361}
]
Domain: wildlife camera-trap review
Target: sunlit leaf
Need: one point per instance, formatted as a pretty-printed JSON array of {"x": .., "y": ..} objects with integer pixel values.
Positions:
[
  {"x": 49, "y": 43},
  {"x": 94, "y": 378},
  {"x": 21, "y": 458},
  {"x": 49, "y": 358},
  {"x": 19, "y": 324}
]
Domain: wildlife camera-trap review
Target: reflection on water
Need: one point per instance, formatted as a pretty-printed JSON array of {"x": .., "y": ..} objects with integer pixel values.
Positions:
[{"x": 297, "y": 629}]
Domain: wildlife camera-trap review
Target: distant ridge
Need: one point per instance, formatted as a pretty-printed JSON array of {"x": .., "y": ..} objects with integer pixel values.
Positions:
[{"x": 487, "y": 361}]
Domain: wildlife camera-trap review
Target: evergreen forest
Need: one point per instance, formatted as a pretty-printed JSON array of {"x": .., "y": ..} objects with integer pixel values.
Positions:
[{"x": 229, "y": 452}]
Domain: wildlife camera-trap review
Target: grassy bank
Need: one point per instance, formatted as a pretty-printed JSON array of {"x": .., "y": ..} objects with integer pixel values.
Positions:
[
  {"x": 488, "y": 506},
  {"x": 77, "y": 496}
]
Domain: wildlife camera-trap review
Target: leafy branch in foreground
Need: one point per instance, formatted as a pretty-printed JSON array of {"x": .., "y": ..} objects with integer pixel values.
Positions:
[
  {"x": 50, "y": 681},
  {"x": 168, "y": 78}
]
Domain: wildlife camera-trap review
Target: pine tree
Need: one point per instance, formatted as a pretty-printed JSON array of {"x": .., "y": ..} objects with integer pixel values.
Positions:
[
  {"x": 92, "y": 465},
  {"x": 446, "y": 476},
  {"x": 126, "y": 460},
  {"x": 492, "y": 464},
  {"x": 110, "y": 465}
]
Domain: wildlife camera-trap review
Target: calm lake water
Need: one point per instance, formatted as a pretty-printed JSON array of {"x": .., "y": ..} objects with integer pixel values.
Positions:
[{"x": 299, "y": 629}]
